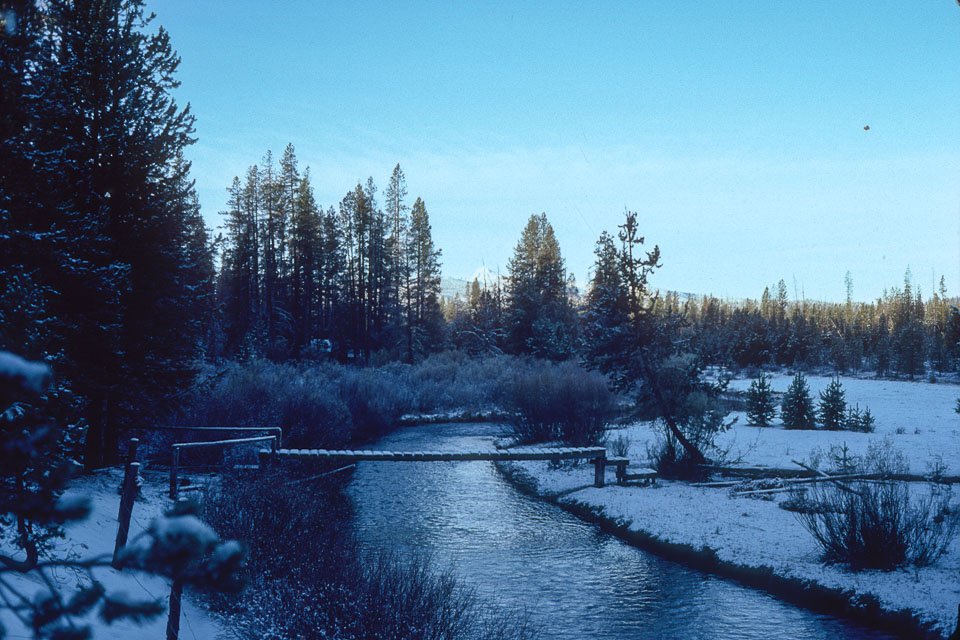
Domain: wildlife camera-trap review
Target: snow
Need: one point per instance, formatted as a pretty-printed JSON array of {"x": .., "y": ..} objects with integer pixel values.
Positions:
[
  {"x": 919, "y": 417},
  {"x": 95, "y": 536},
  {"x": 757, "y": 533},
  {"x": 30, "y": 375}
]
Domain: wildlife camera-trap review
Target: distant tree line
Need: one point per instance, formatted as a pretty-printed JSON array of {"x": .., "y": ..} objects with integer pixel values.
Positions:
[
  {"x": 899, "y": 334},
  {"x": 300, "y": 281}
]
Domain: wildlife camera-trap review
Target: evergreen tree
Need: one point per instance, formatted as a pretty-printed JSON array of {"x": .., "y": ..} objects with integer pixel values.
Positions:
[
  {"x": 609, "y": 332},
  {"x": 760, "y": 403},
  {"x": 398, "y": 220},
  {"x": 478, "y": 331},
  {"x": 539, "y": 318},
  {"x": 304, "y": 258},
  {"x": 856, "y": 420},
  {"x": 833, "y": 406},
  {"x": 28, "y": 234},
  {"x": 424, "y": 317},
  {"x": 127, "y": 278},
  {"x": 34, "y": 471},
  {"x": 637, "y": 350},
  {"x": 796, "y": 409}
]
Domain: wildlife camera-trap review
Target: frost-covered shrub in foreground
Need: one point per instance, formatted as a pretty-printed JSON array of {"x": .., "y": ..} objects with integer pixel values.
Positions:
[{"x": 878, "y": 524}]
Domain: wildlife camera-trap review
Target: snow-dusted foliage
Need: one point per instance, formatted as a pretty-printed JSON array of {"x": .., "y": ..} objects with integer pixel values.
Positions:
[
  {"x": 18, "y": 372},
  {"x": 33, "y": 474}
]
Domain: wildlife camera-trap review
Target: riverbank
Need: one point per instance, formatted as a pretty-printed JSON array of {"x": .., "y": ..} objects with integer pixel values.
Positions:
[
  {"x": 95, "y": 536},
  {"x": 754, "y": 542}
]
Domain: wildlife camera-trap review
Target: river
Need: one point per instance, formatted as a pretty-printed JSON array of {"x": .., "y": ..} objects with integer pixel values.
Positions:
[{"x": 576, "y": 582}]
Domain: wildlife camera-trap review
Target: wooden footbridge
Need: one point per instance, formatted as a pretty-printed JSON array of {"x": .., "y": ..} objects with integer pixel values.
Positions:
[
  {"x": 274, "y": 455},
  {"x": 597, "y": 455}
]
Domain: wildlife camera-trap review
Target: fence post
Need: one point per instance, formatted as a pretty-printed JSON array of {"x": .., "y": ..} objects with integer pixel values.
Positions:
[
  {"x": 599, "y": 468},
  {"x": 266, "y": 458},
  {"x": 173, "y": 619},
  {"x": 173, "y": 472},
  {"x": 126, "y": 508}
]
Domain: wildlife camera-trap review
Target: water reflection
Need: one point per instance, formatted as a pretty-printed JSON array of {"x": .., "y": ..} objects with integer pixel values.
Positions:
[{"x": 577, "y": 581}]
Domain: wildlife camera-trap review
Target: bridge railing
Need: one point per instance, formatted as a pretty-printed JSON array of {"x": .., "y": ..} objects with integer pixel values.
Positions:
[{"x": 175, "y": 460}]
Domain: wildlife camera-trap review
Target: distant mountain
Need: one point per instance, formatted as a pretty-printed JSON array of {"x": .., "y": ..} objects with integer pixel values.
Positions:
[{"x": 450, "y": 287}]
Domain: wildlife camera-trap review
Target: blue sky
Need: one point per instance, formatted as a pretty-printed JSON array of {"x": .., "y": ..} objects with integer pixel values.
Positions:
[{"x": 735, "y": 129}]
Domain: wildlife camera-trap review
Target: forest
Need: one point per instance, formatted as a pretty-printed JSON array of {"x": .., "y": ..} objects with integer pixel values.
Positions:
[{"x": 327, "y": 319}]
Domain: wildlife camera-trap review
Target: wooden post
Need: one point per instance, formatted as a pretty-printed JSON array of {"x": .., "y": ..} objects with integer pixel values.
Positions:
[
  {"x": 621, "y": 474},
  {"x": 132, "y": 449},
  {"x": 599, "y": 467},
  {"x": 126, "y": 508},
  {"x": 173, "y": 472},
  {"x": 266, "y": 458},
  {"x": 173, "y": 619}
]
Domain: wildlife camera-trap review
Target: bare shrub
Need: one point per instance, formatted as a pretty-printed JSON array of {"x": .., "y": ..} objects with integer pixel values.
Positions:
[
  {"x": 619, "y": 445},
  {"x": 560, "y": 402},
  {"x": 305, "y": 403},
  {"x": 878, "y": 524},
  {"x": 701, "y": 422},
  {"x": 375, "y": 398}
]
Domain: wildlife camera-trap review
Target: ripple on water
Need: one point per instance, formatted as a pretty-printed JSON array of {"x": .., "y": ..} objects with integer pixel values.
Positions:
[{"x": 577, "y": 582}]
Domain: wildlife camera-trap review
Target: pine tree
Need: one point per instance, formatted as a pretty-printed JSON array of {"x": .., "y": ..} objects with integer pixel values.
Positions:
[
  {"x": 28, "y": 232},
  {"x": 636, "y": 349},
  {"x": 796, "y": 408},
  {"x": 304, "y": 258},
  {"x": 833, "y": 406},
  {"x": 424, "y": 317},
  {"x": 130, "y": 289},
  {"x": 608, "y": 324},
  {"x": 760, "y": 404},
  {"x": 539, "y": 318},
  {"x": 856, "y": 420},
  {"x": 398, "y": 220},
  {"x": 34, "y": 471}
]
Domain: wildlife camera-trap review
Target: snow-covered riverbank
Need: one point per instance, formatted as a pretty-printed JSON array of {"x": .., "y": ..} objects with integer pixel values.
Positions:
[
  {"x": 95, "y": 536},
  {"x": 757, "y": 541}
]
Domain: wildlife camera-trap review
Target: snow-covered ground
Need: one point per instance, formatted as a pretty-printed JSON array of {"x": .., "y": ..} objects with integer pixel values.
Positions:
[
  {"x": 918, "y": 417},
  {"x": 920, "y": 420},
  {"x": 95, "y": 536}
]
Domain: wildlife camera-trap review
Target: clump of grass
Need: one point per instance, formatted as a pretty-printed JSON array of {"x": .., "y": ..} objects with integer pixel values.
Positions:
[{"x": 619, "y": 445}]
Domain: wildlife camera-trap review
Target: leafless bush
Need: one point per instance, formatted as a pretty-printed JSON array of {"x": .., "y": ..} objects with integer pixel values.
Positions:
[
  {"x": 878, "y": 524},
  {"x": 560, "y": 402},
  {"x": 619, "y": 445}
]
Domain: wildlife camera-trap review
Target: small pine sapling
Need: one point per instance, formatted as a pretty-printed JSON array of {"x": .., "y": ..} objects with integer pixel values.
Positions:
[
  {"x": 867, "y": 421},
  {"x": 833, "y": 406},
  {"x": 957, "y": 408},
  {"x": 796, "y": 409},
  {"x": 760, "y": 404}
]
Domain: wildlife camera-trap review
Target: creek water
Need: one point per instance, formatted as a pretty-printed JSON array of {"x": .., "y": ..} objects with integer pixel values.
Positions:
[{"x": 575, "y": 581}]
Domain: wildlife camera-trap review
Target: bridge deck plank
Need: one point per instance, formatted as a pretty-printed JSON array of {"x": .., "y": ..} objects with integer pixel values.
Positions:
[{"x": 524, "y": 453}]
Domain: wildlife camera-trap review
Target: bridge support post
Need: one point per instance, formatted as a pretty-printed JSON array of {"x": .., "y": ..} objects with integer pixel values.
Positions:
[
  {"x": 266, "y": 458},
  {"x": 599, "y": 466}
]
